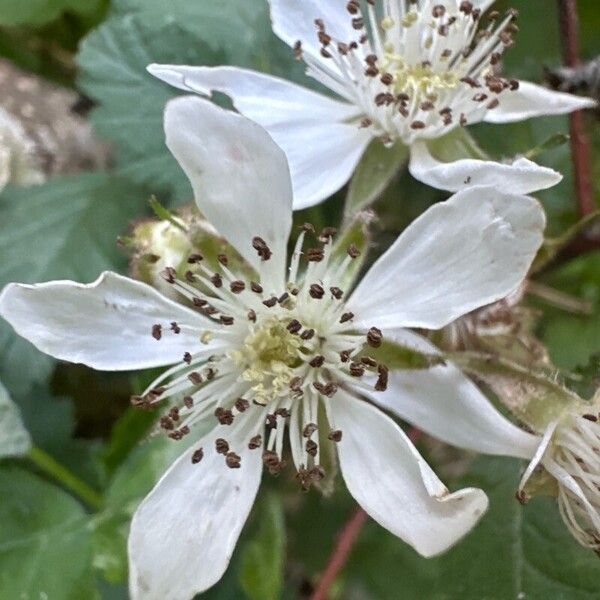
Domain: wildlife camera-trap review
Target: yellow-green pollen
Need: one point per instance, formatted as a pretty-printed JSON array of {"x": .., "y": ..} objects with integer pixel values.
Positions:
[{"x": 268, "y": 358}]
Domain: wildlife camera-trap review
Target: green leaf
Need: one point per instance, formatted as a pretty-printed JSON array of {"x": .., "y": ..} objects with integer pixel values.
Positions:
[
  {"x": 374, "y": 172},
  {"x": 65, "y": 229},
  {"x": 39, "y": 12},
  {"x": 45, "y": 549},
  {"x": 514, "y": 553},
  {"x": 533, "y": 396},
  {"x": 14, "y": 438},
  {"x": 113, "y": 62},
  {"x": 263, "y": 557},
  {"x": 456, "y": 145}
]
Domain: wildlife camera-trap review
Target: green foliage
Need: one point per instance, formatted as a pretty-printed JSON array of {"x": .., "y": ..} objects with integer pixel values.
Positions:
[
  {"x": 14, "y": 439},
  {"x": 263, "y": 556},
  {"x": 39, "y": 12},
  {"x": 65, "y": 229},
  {"x": 45, "y": 546}
]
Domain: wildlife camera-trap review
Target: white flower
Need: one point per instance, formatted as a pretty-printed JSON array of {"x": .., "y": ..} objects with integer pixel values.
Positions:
[
  {"x": 17, "y": 161},
  {"x": 282, "y": 348},
  {"x": 563, "y": 451},
  {"x": 421, "y": 71}
]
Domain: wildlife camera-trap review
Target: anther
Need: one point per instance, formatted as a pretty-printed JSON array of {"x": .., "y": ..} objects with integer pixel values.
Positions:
[
  {"x": 156, "y": 332},
  {"x": 285, "y": 296},
  {"x": 589, "y": 417},
  {"x": 417, "y": 125},
  {"x": 199, "y": 302},
  {"x": 225, "y": 320},
  {"x": 195, "y": 258},
  {"x": 316, "y": 291},
  {"x": 368, "y": 361},
  {"x": 358, "y": 23},
  {"x": 256, "y": 287},
  {"x": 187, "y": 358},
  {"x": 311, "y": 447},
  {"x": 353, "y": 7},
  {"x": 237, "y": 287},
  {"x": 233, "y": 460},
  {"x": 327, "y": 233},
  {"x": 294, "y": 326},
  {"x": 336, "y": 292},
  {"x": 315, "y": 254},
  {"x": 317, "y": 361},
  {"x": 347, "y": 316},
  {"x": 345, "y": 356},
  {"x": 251, "y": 315},
  {"x": 255, "y": 442},
  {"x": 466, "y": 7},
  {"x": 174, "y": 413},
  {"x": 387, "y": 79},
  {"x": 307, "y": 334},
  {"x": 197, "y": 456},
  {"x": 309, "y": 430},
  {"x": 374, "y": 337},
  {"x": 261, "y": 247},
  {"x": 439, "y": 10},
  {"x": 382, "y": 380},
  {"x": 224, "y": 416},
  {"x": 307, "y": 227},
  {"x": 335, "y": 436},
  {"x": 222, "y": 258},
  {"x": 217, "y": 280},
  {"x": 271, "y": 302},
  {"x": 298, "y": 50},
  {"x": 357, "y": 369},
  {"x": 195, "y": 377},
  {"x": 169, "y": 274},
  {"x": 241, "y": 405},
  {"x": 188, "y": 401},
  {"x": 166, "y": 423},
  {"x": 190, "y": 277},
  {"x": 221, "y": 446},
  {"x": 353, "y": 251},
  {"x": 175, "y": 328}
]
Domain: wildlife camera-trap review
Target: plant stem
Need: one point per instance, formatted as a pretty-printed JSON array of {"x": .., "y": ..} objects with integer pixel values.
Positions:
[
  {"x": 345, "y": 541},
  {"x": 54, "y": 469},
  {"x": 580, "y": 146}
]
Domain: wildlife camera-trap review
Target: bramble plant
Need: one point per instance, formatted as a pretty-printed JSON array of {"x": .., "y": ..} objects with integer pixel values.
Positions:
[{"x": 305, "y": 337}]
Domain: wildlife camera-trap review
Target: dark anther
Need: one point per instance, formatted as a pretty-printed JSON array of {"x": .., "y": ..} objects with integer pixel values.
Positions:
[
  {"x": 197, "y": 456},
  {"x": 327, "y": 233},
  {"x": 336, "y": 292},
  {"x": 358, "y": 23},
  {"x": 317, "y": 361},
  {"x": 174, "y": 413},
  {"x": 251, "y": 315},
  {"x": 175, "y": 328},
  {"x": 217, "y": 280},
  {"x": 357, "y": 369},
  {"x": 188, "y": 401},
  {"x": 294, "y": 326},
  {"x": 315, "y": 254},
  {"x": 439, "y": 10},
  {"x": 463, "y": 120},
  {"x": 345, "y": 356},
  {"x": 353, "y": 251},
  {"x": 233, "y": 460},
  {"x": 382, "y": 380},
  {"x": 195, "y": 377},
  {"x": 284, "y": 413},
  {"x": 311, "y": 447},
  {"x": 466, "y": 7},
  {"x": 387, "y": 79},
  {"x": 309, "y": 430},
  {"x": 298, "y": 50},
  {"x": 347, "y": 316},
  {"x": 427, "y": 105},
  {"x": 166, "y": 423},
  {"x": 353, "y": 7},
  {"x": 256, "y": 287},
  {"x": 307, "y": 334},
  {"x": 241, "y": 405},
  {"x": 187, "y": 358},
  {"x": 374, "y": 337},
  {"x": 237, "y": 287},
  {"x": 521, "y": 496},
  {"x": 327, "y": 390},
  {"x": 296, "y": 384},
  {"x": 156, "y": 332},
  {"x": 190, "y": 277},
  {"x": 513, "y": 85},
  {"x": 493, "y": 104},
  {"x": 417, "y": 125},
  {"x": 320, "y": 24},
  {"x": 261, "y": 247},
  {"x": 271, "y": 302},
  {"x": 199, "y": 302},
  {"x": 255, "y": 442},
  {"x": 224, "y": 416},
  {"x": 316, "y": 291},
  {"x": 139, "y": 402},
  {"x": 368, "y": 361},
  {"x": 221, "y": 446},
  {"x": 589, "y": 417},
  {"x": 307, "y": 227},
  {"x": 480, "y": 97},
  {"x": 195, "y": 258},
  {"x": 169, "y": 274},
  {"x": 222, "y": 258},
  {"x": 271, "y": 421},
  {"x": 285, "y": 296},
  {"x": 226, "y": 320},
  {"x": 210, "y": 374},
  {"x": 335, "y": 436}
]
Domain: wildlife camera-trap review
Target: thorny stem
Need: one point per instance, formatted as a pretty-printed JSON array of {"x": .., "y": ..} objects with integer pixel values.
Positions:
[
  {"x": 346, "y": 539},
  {"x": 580, "y": 146},
  {"x": 58, "y": 472}
]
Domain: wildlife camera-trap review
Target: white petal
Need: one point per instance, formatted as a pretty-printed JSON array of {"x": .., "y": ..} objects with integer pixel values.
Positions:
[
  {"x": 239, "y": 175},
  {"x": 106, "y": 324},
  {"x": 482, "y": 5},
  {"x": 461, "y": 254},
  {"x": 294, "y": 20},
  {"x": 391, "y": 481},
  {"x": 532, "y": 100},
  {"x": 446, "y": 404},
  {"x": 321, "y": 148},
  {"x": 184, "y": 532},
  {"x": 520, "y": 177}
]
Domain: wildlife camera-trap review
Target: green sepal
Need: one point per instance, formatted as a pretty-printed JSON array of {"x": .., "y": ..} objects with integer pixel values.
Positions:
[
  {"x": 14, "y": 438},
  {"x": 533, "y": 396},
  {"x": 373, "y": 174},
  {"x": 397, "y": 356},
  {"x": 456, "y": 145}
]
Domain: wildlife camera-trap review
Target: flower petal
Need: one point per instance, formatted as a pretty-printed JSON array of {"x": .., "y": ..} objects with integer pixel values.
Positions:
[
  {"x": 106, "y": 324},
  {"x": 532, "y": 100},
  {"x": 184, "y": 532},
  {"x": 521, "y": 177},
  {"x": 293, "y": 20},
  {"x": 446, "y": 404},
  {"x": 321, "y": 149},
  {"x": 461, "y": 254},
  {"x": 240, "y": 177},
  {"x": 391, "y": 481}
]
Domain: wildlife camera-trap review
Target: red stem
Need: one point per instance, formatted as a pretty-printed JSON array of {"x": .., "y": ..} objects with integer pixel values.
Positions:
[
  {"x": 346, "y": 539},
  {"x": 580, "y": 146}
]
